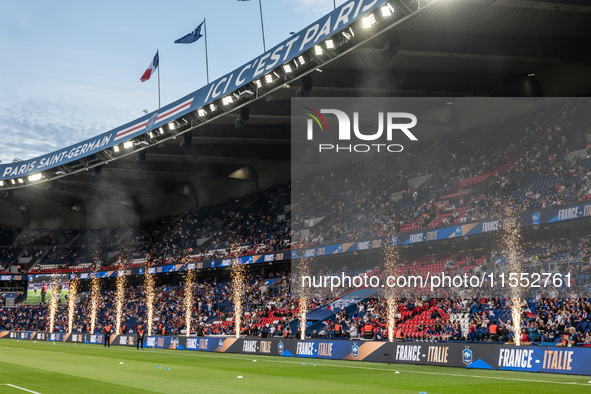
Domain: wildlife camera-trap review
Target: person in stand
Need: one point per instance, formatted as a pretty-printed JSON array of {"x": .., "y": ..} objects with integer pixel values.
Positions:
[
  {"x": 140, "y": 337},
  {"x": 399, "y": 333},
  {"x": 107, "y": 333},
  {"x": 494, "y": 335},
  {"x": 569, "y": 339}
]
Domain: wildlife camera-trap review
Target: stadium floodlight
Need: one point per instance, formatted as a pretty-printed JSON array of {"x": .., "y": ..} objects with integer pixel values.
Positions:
[
  {"x": 35, "y": 177},
  {"x": 128, "y": 144},
  {"x": 227, "y": 100},
  {"x": 287, "y": 68},
  {"x": 116, "y": 149},
  {"x": 171, "y": 126},
  {"x": 318, "y": 50},
  {"x": 201, "y": 112},
  {"x": 329, "y": 44},
  {"x": 150, "y": 134},
  {"x": 1, "y": 183},
  {"x": 258, "y": 83},
  {"x": 387, "y": 10},
  {"x": 20, "y": 180},
  {"x": 13, "y": 181},
  {"x": 161, "y": 130},
  {"x": 369, "y": 21},
  {"x": 212, "y": 107},
  {"x": 268, "y": 78}
]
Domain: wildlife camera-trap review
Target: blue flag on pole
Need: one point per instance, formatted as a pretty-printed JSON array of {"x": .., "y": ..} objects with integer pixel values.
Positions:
[{"x": 191, "y": 37}]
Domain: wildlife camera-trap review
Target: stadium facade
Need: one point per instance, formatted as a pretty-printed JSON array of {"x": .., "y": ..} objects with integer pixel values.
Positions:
[{"x": 233, "y": 138}]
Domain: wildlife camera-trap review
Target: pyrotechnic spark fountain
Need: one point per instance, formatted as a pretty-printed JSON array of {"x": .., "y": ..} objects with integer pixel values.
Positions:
[
  {"x": 237, "y": 283},
  {"x": 189, "y": 285},
  {"x": 119, "y": 298},
  {"x": 149, "y": 284},
  {"x": 391, "y": 268},
  {"x": 72, "y": 302},
  {"x": 95, "y": 296},
  {"x": 55, "y": 298},
  {"x": 303, "y": 295},
  {"x": 513, "y": 253}
]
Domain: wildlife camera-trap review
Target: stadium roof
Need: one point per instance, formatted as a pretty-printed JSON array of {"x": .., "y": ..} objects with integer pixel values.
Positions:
[{"x": 435, "y": 48}]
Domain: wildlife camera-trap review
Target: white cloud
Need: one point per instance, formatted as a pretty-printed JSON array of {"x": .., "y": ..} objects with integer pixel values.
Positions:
[{"x": 36, "y": 126}]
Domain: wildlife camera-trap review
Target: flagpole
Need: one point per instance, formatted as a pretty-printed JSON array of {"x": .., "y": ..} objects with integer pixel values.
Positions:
[
  {"x": 206, "y": 59},
  {"x": 157, "y": 50},
  {"x": 262, "y": 27}
]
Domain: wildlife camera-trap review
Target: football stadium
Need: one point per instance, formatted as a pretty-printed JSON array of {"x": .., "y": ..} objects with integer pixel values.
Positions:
[{"x": 393, "y": 198}]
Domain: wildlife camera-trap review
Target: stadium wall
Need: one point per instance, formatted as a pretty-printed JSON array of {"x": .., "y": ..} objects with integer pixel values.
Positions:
[{"x": 547, "y": 359}]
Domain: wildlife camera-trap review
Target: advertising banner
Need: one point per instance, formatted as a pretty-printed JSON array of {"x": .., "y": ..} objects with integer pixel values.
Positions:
[
  {"x": 547, "y": 359},
  {"x": 160, "y": 342}
]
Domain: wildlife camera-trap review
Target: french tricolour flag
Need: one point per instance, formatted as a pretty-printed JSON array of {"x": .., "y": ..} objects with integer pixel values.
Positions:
[
  {"x": 151, "y": 68},
  {"x": 528, "y": 312}
]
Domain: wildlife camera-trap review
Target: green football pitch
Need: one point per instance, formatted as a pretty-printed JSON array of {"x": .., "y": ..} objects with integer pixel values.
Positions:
[{"x": 42, "y": 367}]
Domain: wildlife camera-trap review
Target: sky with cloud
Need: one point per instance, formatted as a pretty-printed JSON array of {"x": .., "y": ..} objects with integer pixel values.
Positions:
[{"x": 71, "y": 69}]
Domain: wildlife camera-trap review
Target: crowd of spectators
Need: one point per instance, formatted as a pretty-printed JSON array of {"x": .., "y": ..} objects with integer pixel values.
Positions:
[
  {"x": 444, "y": 315},
  {"x": 267, "y": 312},
  {"x": 267, "y": 305},
  {"x": 522, "y": 164}
]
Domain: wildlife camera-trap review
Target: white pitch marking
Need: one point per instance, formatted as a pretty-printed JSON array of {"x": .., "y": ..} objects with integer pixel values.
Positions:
[{"x": 20, "y": 388}]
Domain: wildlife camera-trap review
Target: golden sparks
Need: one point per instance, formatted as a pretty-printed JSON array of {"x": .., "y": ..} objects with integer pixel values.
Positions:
[
  {"x": 303, "y": 296},
  {"x": 513, "y": 252},
  {"x": 189, "y": 285},
  {"x": 121, "y": 281},
  {"x": 55, "y": 299},
  {"x": 72, "y": 302},
  {"x": 95, "y": 297},
  {"x": 149, "y": 283},
  {"x": 391, "y": 266},
  {"x": 238, "y": 273}
]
